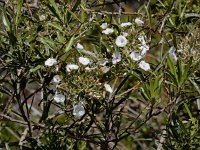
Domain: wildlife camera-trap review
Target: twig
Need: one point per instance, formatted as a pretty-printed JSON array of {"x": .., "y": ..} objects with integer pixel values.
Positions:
[
  {"x": 162, "y": 139},
  {"x": 165, "y": 17},
  {"x": 131, "y": 89},
  {"x": 13, "y": 120},
  {"x": 198, "y": 90},
  {"x": 21, "y": 141},
  {"x": 112, "y": 13},
  {"x": 21, "y": 122},
  {"x": 34, "y": 4},
  {"x": 29, "y": 10}
]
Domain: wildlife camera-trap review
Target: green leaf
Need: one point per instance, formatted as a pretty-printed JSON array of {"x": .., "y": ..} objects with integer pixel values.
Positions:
[
  {"x": 173, "y": 78},
  {"x": 47, "y": 41},
  {"x": 61, "y": 39},
  {"x": 81, "y": 145},
  {"x": 149, "y": 15},
  {"x": 74, "y": 16},
  {"x": 183, "y": 11},
  {"x": 54, "y": 9},
  {"x": 172, "y": 70},
  {"x": 189, "y": 113},
  {"x": 144, "y": 93},
  {"x": 5, "y": 20},
  {"x": 35, "y": 68},
  {"x": 71, "y": 12},
  {"x": 180, "y": 69},
  {"x": 61, "y": 119},
  {"x": 12, "y": 38},
  {"x": 83, "y": 15},
  {"x": 186, "y": 71},
  {"x": 76, "y": 5},
  {"x": 152, "y": 87},
  {"x": 30, "y": 35},
  {"x": 171, "y": 65},
  {"x": 18, "y": 14},
  {"x": 69, "y": 44},
  {"x": 56, "y": 26}
]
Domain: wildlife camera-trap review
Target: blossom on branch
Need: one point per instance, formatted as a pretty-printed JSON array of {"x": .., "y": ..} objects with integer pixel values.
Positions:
[
  {"x": 50, "y": 62},
  {"x": 135, "y": 56},
  {"x": 59, "y": 98},
  {"x": 125, "y": 24},
  {"x": 108, "y": 88},
  {"x": 139, "y": 22},
  {"x": 121, "y": 41},
  {"x": 172, "y": 54},
  {"x": 84, "y": 61},
  {"x": 108, "y": 31},
  {"x": 71, "y": 67},
  {"x": 116, "y": 57},
  {"x": 145, "y": 66},
  {"x": 78, "y": 110},
  {"x": 56, "y": 79},
  {"x": 104, "y": 26},
  {"x": 79, "y": 46}
]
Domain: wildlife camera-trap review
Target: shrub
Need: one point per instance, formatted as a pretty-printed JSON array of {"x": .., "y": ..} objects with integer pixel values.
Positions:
[{"x": 77, "y": 76}]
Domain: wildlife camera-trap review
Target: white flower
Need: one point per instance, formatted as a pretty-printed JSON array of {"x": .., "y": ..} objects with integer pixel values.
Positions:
[
  {"x": 145, "y": 66},
  {"x": 139, "y": 22},
  {"x": 78, "y": 110},
  {"x": 104, "y": 25},
  {"x": 84, "y": 61},
  {"x": 142, "y": 40},
  {"x": 56, "y": 79},
  {"x": 59, "y": 98},
  {"x": 90, "y": 69},
  {"x": 105, "y": 69},
  {"x": 121, "y": 41},
  {"x": 172, "y": 50},
  {"x": 135, "y": 56},
  {"x": 173, "y": 57},
  {"x": 103, "y": 62},
  {"x": 57, "y": 68},
  {"x": 144, "y": 49},
  {"x": 124, "y": 34},
  {"x": 42, "y": 17},
  {"x": 180, "y": 50},
  {"x": 108, "y": 88},
  {"x": 50, "y": 62},
  {"x": 53, "y": 87},
  {"x": 71, "y": 67},
  {"x": 172, "y": 54},
  {"x": 125, "y": 24},
  {"x": 108, "y": 31},
  {"x": 116, "y": 57},
  {"x": 79, "y": 46}
]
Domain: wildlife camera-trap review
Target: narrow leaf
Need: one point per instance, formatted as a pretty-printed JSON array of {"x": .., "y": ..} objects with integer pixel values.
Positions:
[
  {"x": 18, "y": 14},
  {"x": 69, "y": 44}
]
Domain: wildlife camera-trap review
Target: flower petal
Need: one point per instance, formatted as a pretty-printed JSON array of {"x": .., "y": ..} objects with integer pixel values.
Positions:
[{"x": 108, "y": 88}]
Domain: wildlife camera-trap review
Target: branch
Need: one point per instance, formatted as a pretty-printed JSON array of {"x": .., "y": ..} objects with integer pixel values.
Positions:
[
  {"x": 13, "y": 120},
  {"x": 113, "y": 13}
]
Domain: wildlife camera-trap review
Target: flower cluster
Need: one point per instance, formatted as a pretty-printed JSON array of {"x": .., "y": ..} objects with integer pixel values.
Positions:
[
  {"x": 118, "y": 52},
  {"x": 121, "y": 41},
  {"x": 138, "y": 55}
]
